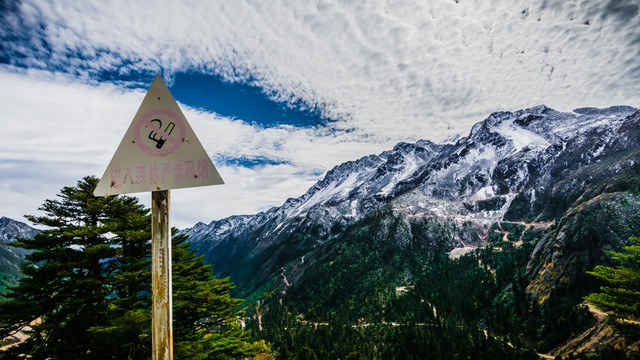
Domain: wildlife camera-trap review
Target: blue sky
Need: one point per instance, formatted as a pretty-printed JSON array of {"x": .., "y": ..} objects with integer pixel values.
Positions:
[
  {"x": 279, "y": 92},
  {"x": 242, "y": 101}
]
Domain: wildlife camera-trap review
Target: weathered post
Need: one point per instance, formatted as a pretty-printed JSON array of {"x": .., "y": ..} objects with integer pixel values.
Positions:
[
  {"x": 161, "y": 322},
  {"x": 159, "y": 152}
]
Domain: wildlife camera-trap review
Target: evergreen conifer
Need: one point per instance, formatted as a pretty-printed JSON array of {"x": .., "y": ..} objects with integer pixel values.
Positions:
[
  {"x": 86, "y": 293},
  {"x": 620, "y": 297}
]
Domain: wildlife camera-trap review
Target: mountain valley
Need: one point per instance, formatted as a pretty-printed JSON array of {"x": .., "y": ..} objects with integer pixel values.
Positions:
[
  {"x": 477, "y": 248},
  {"x": 533, "y": 197},
  {"x": 527, "y": 167}
]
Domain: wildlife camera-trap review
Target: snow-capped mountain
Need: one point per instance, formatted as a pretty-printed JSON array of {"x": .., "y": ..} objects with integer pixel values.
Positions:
[
  {"x": 515, "y": 156},
  {"x": 11, "y": 230},
  {"x": 10, "y": 257},
  {"x": 508, "y": 168}
]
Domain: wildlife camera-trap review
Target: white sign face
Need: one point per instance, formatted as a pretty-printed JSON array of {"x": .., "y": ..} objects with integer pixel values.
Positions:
[{"x": 159, "y": 151}]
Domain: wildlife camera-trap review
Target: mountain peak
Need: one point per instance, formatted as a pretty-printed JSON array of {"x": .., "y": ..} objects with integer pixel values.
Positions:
[
  {"x": 613, "y": 110},
  {"x": 12, "y": 229},
  {"x": 508, "y": 166}
]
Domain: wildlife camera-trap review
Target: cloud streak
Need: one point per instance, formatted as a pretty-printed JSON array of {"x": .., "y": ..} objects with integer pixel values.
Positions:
[
  {"x": 72, "y": 74},
  {"x": 75, "y": 128},
  {"x": 375, "y": 63}
]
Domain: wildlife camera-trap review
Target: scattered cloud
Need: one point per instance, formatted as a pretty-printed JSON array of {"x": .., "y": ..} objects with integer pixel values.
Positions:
[
  {"x": 72, "y": 74},
  {"x": 75, "y": 128}
]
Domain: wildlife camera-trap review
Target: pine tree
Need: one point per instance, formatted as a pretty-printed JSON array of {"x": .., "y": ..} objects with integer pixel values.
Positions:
[
  {"x": 356, "y": 355},
  {"x": 206, "y": 326},
  {"x": 307, "y": 353},
  {"x": 284, "y": 353},
  {"x": 127, "y": 334},
  {"x": 621, "y": 297},
  {"x": 69, "y": 275},
  {"x": 86, "y": 293}
]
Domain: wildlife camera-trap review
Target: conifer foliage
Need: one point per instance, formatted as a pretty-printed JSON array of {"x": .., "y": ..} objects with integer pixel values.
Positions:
[
  {"x": 86, "y": 293},
  {"x": 205, "y": 323},
  {"x": 621, "y": 294}
]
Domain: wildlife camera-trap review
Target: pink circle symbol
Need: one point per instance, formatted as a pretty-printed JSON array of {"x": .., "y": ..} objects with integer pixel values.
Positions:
[{"x": 159, "y": 132}]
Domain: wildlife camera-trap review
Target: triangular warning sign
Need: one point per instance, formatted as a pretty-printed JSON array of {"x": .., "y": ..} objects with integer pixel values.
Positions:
[{"x": 160, "y": 151}]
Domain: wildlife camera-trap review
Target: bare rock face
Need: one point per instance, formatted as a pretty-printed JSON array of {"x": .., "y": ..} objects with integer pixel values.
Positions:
[
  {"x": 11, "y": 258},
  {"x": 535, "y": 166}
]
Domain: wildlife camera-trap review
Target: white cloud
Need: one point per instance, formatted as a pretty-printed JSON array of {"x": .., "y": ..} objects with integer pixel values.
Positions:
[
  {"x": 387, "y": 71},
  {"x": 311, "y": 149},
  {"x": 377, "y": 65},
  {"x": 246, "y": 191},
  {"x": 58, "y": 130}
]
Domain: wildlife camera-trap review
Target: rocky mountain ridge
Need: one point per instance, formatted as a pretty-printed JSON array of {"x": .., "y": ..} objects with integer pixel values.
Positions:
[
  {"x": 11, "y": 258},
  {"x": 527, "y": 166},
  {"x": 534, "y": 197}
]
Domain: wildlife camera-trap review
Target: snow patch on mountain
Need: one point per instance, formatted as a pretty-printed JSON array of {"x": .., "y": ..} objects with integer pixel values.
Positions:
[
  {"x": 483, "y": 194},
  {"x": 336, "y": 189},
  {"x": 521, "y": 137},
  {"x": 507, "y": 157},
  {"x": 410, "y": 166}
]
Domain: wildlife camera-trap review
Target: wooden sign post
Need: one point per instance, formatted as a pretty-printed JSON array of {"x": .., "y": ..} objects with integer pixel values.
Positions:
[
  {"x": 162, "y": 309},
  {"x": 159, "y": 152}
]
